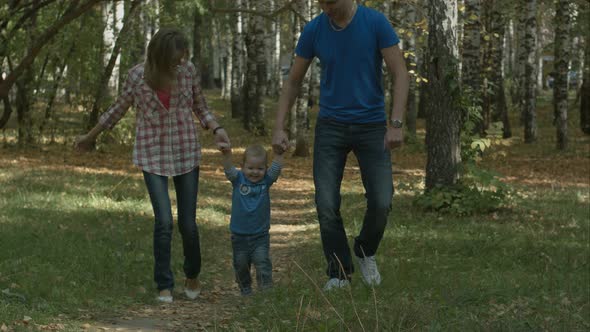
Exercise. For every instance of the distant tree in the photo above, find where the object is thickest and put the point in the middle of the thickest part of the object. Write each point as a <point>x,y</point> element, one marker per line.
<point>530,73</point>
<point>561,52</point>
<point>300,118</point>
<point>255,75</point>
<point>585,91</point>
<point>471,72</point>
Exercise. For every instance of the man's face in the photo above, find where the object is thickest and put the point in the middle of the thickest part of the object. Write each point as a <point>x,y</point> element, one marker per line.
<point>336,9</point>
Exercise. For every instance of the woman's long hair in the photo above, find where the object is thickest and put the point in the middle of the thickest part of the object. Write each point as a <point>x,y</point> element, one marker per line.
<point>165,51</point>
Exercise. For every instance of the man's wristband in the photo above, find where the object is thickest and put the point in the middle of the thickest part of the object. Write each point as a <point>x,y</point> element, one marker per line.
<point>216,129</point>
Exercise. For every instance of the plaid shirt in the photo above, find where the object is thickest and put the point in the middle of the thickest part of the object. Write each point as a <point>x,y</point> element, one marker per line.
<point>166,140</point>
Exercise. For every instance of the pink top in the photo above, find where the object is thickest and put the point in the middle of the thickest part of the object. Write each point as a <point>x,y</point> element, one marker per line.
<point>166,141</point>
<point>164,97</point>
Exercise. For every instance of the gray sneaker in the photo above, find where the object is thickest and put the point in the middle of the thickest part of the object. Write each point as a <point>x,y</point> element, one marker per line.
<point>369,271</point>
<point>336,283</point>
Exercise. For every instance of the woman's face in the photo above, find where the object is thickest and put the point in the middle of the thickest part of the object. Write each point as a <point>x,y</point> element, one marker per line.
<point>180,59</point>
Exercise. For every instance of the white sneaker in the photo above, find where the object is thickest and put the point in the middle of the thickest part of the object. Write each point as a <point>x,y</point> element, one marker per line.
<point>335,283</point>
<point>192,288</point>
<point>165,296</point>
<point>369,271</point>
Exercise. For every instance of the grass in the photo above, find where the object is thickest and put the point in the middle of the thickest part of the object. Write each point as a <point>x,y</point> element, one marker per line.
<point>75,245</point>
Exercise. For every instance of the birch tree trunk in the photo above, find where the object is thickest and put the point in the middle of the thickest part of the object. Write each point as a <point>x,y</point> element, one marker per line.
<point>227,62</point>
<point>562,55</point>
<point>410,52</point>
<point>444,117</point>
<point>237,107</point>
<point>302,102</point>
<point>254,86</point>
<point>530,73</point>
<point>518,88</point>
<point>274,40</point>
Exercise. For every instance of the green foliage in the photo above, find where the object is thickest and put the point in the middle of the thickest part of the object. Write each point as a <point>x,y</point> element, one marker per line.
<point>479,191</point>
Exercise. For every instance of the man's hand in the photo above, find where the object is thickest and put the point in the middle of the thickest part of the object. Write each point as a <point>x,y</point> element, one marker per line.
<point>280,141</point>
<point>394,138</point>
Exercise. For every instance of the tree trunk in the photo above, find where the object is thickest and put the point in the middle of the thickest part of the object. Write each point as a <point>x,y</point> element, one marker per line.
<point>24,92</point>
<point>237,107</point>
<point>7,111</point>
<point>498,104</point>
<point>302,102</point>
<point>53,91</point>
<point>443,123</point>
<point>103,85</point>
<point>530,79</point>
<point>255,75</point>
<point>274,41</point>
<point>227,63</point>
<point>471,65</point>
<point>135,52</point>
<point>562,50</point>
<point>487,97</point>
<point>518,87</point>
<point>410,52</point>
<point>585,91</point>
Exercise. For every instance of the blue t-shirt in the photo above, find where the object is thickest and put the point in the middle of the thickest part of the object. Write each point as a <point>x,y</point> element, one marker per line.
<point>250,209</point>
<point>351,87</point>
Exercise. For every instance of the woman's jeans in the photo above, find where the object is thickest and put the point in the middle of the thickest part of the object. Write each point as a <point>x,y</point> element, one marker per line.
<point>186,186</point>
<point>248,250</point>
<point>333,142</point>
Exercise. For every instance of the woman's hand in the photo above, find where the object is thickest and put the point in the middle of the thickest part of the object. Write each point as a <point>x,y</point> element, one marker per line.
<point>222,140</point>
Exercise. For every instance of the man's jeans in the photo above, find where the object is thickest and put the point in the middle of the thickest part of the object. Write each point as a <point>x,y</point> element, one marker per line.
<point>186,186</point>
<point>248,250</point>
<point>333,142</point>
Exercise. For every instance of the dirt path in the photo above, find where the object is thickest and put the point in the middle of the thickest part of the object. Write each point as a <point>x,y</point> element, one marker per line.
<point>293,214</point>
<point>213,310</point>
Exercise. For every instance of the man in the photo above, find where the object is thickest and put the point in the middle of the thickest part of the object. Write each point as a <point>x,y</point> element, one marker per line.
<point>351,42</point>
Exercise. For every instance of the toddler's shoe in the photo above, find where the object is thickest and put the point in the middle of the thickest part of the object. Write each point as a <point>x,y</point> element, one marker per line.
<point>247,291</point>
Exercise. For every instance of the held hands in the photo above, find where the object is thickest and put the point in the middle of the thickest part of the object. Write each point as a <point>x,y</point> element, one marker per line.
<point>222,140</point>
<point>280,141</point>
<point>224,148</point>
<point>394,138</point>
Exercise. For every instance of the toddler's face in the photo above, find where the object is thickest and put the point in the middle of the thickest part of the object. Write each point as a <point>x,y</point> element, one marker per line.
<point>254,168</point>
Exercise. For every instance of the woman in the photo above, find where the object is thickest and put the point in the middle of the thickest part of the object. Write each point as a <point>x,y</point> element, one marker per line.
<point>165,92</point>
